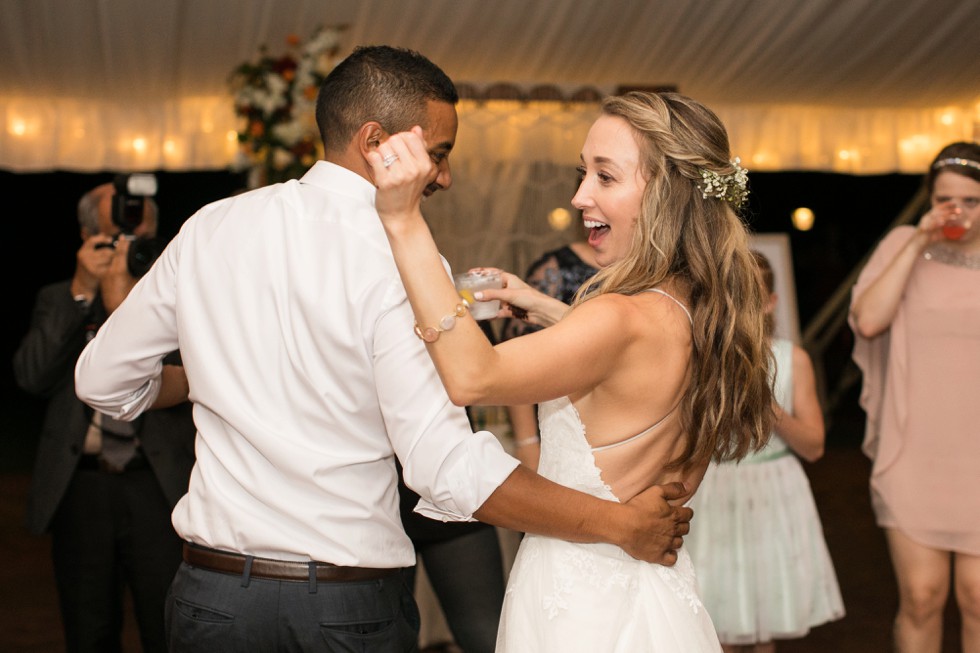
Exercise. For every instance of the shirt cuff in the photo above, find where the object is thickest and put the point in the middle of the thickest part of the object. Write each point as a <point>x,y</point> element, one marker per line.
<point>471,473</point>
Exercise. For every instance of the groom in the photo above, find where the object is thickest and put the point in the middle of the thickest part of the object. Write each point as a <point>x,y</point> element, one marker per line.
<point>307,381</point>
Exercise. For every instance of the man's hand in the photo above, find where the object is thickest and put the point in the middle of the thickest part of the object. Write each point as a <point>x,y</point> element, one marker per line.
<point>658,526</point>
<point>92,263</point>
<point>116,282</point>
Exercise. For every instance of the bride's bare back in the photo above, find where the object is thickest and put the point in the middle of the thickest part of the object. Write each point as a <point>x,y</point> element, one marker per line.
<point>632,420</point>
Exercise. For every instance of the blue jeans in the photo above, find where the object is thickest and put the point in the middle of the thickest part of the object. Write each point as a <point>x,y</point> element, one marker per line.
<point>213,612</point>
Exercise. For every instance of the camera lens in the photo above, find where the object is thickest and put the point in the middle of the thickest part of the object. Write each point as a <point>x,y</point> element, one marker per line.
<point>142,253</point>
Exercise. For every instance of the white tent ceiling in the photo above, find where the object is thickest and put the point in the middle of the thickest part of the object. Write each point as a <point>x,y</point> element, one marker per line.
<point>891,62</point>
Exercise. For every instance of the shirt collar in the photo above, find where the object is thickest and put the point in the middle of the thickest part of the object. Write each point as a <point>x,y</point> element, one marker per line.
<point>341,180</point>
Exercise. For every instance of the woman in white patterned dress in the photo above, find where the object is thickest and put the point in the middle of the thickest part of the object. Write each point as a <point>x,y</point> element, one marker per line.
<point>659,366</point>
<point>774,578</point>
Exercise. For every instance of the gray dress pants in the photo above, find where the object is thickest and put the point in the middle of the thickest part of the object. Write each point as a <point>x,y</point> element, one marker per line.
<point>214,612</point>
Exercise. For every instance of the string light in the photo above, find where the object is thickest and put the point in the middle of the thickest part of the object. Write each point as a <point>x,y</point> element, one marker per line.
<point>803,219</point>
<point>212,132</point>
<point>559,219</point>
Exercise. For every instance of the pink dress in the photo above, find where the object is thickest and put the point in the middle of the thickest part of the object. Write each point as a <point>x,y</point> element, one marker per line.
<point>921,393</point>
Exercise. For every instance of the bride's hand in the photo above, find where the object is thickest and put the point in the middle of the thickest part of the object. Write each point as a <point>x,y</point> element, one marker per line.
<point>521,301</point>
<point>402,168</point>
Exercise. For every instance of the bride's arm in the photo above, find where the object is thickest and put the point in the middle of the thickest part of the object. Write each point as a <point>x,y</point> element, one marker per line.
<point>441,316</point>
<point>573,356</point>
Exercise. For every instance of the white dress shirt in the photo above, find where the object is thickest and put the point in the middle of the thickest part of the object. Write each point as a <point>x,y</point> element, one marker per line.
<point>296,336</point>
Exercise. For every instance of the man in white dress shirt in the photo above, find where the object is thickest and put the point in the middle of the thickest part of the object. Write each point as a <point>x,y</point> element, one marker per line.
<point>307,380</point>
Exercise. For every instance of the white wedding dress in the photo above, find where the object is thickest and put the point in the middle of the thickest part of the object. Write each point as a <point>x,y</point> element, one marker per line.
<point>564,597</point>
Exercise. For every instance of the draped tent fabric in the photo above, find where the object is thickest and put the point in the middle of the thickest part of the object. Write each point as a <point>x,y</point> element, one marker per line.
<point>862,86</point>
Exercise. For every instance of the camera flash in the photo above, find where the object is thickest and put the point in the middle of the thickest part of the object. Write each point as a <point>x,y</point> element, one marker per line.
<point>142,185</point>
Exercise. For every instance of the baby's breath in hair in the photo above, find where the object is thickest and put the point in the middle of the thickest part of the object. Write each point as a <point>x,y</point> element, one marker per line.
<point>733,187</point>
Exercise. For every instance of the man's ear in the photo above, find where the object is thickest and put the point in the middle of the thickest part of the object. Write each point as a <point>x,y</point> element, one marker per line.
<point>369,137</point>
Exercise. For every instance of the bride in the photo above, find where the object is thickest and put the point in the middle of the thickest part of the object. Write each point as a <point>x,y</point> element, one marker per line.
<point>659,366</point>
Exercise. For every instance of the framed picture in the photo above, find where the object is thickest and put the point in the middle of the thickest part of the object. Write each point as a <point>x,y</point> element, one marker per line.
<point>776,248</point>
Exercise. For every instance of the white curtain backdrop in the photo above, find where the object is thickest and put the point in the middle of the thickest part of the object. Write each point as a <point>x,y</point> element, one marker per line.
<point>863,87</point>
<point>515,162</point>
<point>198,132</point>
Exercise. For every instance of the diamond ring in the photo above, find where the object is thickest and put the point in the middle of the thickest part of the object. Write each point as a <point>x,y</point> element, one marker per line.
<point>388,160</point>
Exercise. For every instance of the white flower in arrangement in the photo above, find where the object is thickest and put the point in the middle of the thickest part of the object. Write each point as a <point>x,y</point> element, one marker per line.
<point>304,75</point>
<point>323,41</point>
<point>276,96</point>
<point>290,132</point>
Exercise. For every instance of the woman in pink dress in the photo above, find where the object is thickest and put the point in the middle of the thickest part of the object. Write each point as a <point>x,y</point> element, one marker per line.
<point>915,312</point>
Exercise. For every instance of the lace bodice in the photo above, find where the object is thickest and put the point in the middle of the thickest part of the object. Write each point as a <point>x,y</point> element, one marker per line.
<point>566,457</point>
<point>586,597</point>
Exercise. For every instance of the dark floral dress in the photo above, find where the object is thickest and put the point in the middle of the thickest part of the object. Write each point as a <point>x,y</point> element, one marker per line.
<point>558,273</point>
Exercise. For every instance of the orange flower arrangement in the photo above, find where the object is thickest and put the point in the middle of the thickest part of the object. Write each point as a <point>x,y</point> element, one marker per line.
<point>275,98</point>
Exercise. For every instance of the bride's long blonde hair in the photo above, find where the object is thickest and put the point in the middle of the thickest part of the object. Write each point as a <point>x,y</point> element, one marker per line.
<point>700,241</point>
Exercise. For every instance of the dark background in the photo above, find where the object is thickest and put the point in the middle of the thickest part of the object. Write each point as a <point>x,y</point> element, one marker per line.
<point>40,244</point>
<point>42,238</point>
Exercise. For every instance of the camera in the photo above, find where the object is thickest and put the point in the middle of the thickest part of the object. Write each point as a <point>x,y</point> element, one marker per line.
<point>128,202</point>
<point>130,198</point>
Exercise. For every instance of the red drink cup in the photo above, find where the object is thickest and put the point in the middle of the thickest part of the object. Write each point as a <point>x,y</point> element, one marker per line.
<point>955,227</point>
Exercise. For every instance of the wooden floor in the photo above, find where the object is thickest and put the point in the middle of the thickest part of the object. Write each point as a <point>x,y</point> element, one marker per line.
<point>29,621</point>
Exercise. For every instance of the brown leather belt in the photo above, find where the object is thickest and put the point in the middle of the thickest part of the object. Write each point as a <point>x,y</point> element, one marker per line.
<point>234,563</point>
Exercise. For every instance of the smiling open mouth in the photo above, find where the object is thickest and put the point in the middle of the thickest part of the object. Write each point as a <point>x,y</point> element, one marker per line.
<point>595,226</point>
<point>597,231</point>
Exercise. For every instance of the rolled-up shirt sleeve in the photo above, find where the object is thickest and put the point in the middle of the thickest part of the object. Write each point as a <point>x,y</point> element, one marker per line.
<point>118,372</point>
<point>465,486</point>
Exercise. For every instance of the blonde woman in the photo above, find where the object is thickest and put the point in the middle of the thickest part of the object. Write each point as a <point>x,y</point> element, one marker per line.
<point>659,366</point>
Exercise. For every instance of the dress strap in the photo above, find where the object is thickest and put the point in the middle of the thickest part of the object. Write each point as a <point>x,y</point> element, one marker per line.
<point>676,301</point>
<point>638,435</point>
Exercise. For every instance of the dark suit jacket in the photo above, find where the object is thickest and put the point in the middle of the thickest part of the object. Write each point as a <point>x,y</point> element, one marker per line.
<point>44,364</point>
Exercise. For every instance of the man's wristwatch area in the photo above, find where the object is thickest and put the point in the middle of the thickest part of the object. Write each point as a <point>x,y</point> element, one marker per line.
<point>82,302</point>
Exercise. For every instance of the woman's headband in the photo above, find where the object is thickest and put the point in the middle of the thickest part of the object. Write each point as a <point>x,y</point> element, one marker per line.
<point>956,161</point>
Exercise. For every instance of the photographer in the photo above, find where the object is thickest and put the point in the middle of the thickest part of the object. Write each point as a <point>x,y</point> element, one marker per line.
<point>104,489</point>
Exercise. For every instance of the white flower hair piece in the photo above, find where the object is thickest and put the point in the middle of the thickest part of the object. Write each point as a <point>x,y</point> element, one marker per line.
<point>733,187</point>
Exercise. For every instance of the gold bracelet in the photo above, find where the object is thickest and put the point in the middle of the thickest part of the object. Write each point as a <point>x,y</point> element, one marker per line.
<point>431,334</point>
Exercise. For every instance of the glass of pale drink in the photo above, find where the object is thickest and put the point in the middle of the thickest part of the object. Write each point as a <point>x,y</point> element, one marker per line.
<point>470,282</point>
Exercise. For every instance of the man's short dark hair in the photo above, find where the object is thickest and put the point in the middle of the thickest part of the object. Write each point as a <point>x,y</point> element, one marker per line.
<point>386,84</point>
